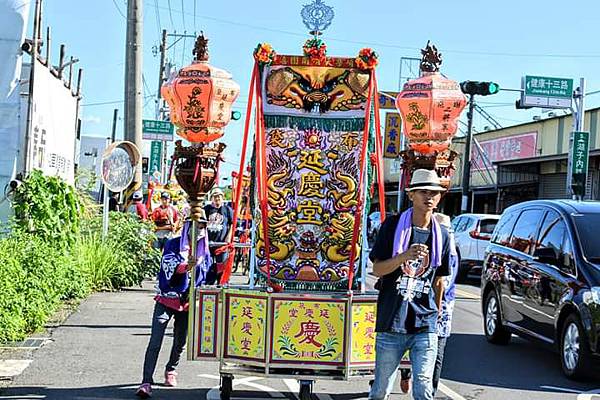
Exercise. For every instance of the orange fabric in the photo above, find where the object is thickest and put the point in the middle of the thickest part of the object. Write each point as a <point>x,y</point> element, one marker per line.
<point>236,205</point>
<point>359,207</point>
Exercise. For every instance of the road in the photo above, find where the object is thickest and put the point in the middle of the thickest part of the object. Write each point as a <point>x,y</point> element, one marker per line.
<point>97,354</point>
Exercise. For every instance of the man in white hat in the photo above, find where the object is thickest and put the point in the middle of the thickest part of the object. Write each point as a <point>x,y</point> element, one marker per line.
<point>220,220</point>
<point>411,256</point>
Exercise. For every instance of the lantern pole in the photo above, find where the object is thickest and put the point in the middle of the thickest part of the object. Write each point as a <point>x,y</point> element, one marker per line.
<point>466,168</point>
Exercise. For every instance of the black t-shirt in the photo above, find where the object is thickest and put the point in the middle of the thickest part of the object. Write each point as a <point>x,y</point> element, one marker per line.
<point>219,221</point>
<point>406,301</point>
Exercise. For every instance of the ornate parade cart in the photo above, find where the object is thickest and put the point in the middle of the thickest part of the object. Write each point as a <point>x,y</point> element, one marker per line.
<point>316,161</point>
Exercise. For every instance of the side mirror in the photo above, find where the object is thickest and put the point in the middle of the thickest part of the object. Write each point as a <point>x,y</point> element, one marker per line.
<point>545,255</point>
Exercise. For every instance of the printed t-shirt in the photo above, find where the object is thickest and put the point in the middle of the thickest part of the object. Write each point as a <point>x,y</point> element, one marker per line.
<point>406,301</point>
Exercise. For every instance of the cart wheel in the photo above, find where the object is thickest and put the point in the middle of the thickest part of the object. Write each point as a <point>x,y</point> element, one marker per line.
<point>226,386</point>
<point>305,390</point>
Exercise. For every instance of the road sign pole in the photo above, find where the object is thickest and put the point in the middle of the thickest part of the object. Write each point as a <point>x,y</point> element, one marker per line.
<point>466,167</point>
<point>578,126</point>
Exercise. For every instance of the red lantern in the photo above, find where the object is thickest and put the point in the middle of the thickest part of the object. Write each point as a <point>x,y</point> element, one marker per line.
<point>430,106</point>
<point>200,97</point>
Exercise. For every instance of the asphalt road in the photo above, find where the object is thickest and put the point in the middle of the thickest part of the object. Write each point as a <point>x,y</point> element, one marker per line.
<point>97,354</point>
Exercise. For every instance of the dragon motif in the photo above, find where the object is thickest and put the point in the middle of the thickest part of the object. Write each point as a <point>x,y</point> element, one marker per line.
<point>280,184</point>
<point>280,230</point>
<point>342,189</point>
<point>338,244</point>
<point>317,89</point>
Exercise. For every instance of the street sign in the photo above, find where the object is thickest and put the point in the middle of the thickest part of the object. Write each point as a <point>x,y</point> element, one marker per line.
<point>157,130</point>
<point>387,100</point>
<point>391,143</point>
<point>579,152</point>
<point>155,157</point>
<point>546,92</point>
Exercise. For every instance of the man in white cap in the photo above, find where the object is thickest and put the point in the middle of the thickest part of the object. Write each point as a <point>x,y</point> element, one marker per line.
<point>411,256</point>
<point>138,207</point>
<point>220,221</point>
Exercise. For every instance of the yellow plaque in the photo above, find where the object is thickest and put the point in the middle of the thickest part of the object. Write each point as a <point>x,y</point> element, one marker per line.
<point>308,331</point>
<point>245,326</point>
<point>208,325</point>
<point>363,333</point>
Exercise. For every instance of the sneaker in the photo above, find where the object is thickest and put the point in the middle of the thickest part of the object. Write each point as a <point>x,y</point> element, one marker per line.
<point>170,378</point>
<point>405,385</point>
<point>144,391</point>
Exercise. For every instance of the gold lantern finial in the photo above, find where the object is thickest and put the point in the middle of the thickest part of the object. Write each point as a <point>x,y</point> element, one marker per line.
<point>431,59</point>
<point>200,51</point>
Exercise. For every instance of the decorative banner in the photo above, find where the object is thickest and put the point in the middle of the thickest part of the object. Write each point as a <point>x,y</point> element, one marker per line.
<point>209,322</point>
<point>314,119</point>
<point>308,331</point>
<point>391,145</point>
<point>245,326</point>
<point>363,333</point>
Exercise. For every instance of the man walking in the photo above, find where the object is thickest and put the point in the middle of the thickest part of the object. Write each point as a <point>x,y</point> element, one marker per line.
<point>410,256</point>
<point>138,207</point>
<point>165,218</point>
<point>220,220</point>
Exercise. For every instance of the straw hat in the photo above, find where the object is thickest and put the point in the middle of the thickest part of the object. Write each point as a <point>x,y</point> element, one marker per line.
<point>425,179</point>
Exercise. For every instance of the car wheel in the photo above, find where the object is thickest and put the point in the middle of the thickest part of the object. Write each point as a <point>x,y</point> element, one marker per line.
<point>575,356</point>
<point>494,331</point>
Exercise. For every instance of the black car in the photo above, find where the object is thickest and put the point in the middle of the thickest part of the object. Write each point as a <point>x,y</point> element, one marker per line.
<point>541,279</point>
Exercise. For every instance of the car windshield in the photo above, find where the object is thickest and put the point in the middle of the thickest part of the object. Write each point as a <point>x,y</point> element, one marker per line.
<point>587,227</point>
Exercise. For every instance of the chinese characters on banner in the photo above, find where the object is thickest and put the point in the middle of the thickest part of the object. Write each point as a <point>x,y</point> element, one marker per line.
<point>363,333</point>
<point>246,319</point>
<point>313,148</point>
<point>308,331</point>
<point>502,149</point>
<point>391,145</point>
<point>208,325</point>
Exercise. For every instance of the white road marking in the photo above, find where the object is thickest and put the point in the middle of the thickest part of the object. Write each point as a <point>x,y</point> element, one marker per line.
<point>449,392</point>
<point>561,389</point>
<point>293,385</point>
<point>11,368</point>
<point>214,394</point>
<point>590,395</point>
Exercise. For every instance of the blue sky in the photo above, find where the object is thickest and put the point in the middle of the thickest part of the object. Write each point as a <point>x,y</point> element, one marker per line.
<point>480,40</point>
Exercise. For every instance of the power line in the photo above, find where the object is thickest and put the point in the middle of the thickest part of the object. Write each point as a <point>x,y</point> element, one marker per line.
<point>171,14</point>
<point>183,14</point>
<point>118,9</point>
<point>393,46</point>
<point>106,102</point>
<point>157,13</point>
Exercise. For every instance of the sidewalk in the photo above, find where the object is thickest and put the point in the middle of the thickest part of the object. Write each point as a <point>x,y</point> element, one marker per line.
<point>97,353</point>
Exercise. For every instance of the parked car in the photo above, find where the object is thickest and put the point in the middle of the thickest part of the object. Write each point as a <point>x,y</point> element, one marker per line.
<point>472,233</point>
<point>541,280</point>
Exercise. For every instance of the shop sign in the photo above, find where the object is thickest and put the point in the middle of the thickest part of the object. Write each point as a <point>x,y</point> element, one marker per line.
<point>387,100</point>
<point>503,149</point>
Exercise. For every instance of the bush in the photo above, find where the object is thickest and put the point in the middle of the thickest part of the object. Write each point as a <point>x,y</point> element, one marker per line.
<point>54,253</point>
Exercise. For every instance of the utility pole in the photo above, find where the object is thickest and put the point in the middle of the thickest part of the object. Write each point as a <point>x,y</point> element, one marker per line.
<point>159,113</point>
<point>133,82</point>
<point>466,167</point>
<point>34,55</point>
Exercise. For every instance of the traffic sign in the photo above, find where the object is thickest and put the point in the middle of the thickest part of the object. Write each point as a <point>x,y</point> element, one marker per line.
<point>579,152</point>
<point>387,100</point>
<point>546,92</point>
<point>155,157</point>
<point>157,130</point>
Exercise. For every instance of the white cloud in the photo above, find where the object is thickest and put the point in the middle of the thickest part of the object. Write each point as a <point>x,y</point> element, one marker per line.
<point>91,119</point>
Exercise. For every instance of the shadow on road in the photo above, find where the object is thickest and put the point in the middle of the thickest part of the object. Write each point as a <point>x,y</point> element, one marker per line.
<point>522,365</point>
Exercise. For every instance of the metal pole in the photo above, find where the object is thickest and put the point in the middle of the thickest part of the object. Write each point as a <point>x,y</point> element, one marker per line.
<point>34,54</point>
<point>133,81</point>
<point>105,205</point>
<point>192,257</point>
<point>466,168</point>
<point>161,71</point>
<point>113,135</point>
